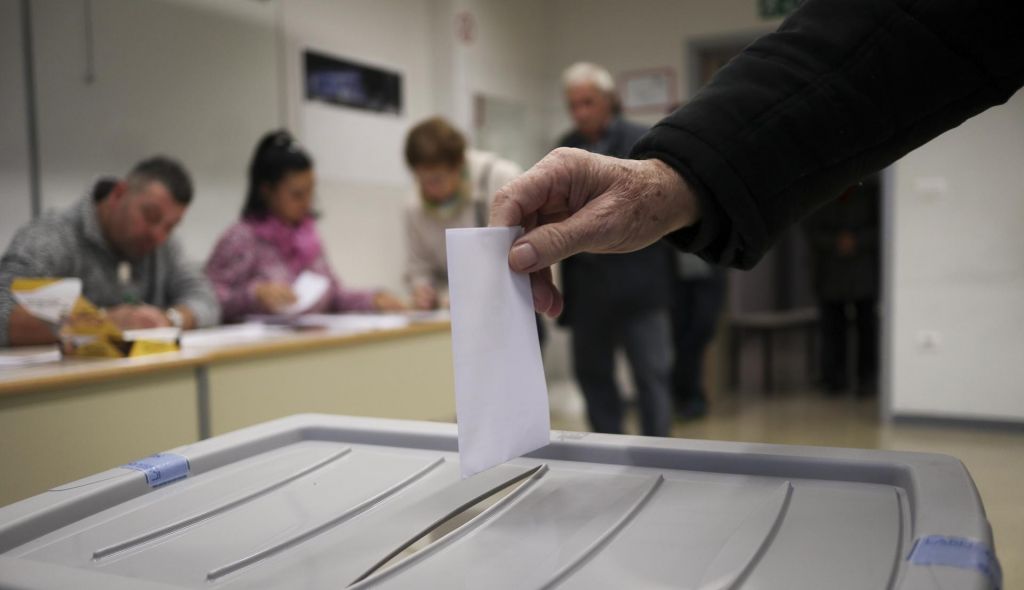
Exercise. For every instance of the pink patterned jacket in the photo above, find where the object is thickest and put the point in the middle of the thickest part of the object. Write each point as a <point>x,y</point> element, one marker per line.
<point>242,259</point>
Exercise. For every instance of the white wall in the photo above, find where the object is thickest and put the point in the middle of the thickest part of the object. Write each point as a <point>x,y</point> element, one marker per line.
<point>363,182</point>
<point>510,60</point>
<point>957,339</point>
<point>640,34</point>
<point>362,179</point>
<point>350,144</point>
<point>200,81</point>
<point>15,198</point>
<point>185,78</point>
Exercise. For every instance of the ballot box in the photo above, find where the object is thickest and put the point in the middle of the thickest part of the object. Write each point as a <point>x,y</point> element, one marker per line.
<point>316,501</point>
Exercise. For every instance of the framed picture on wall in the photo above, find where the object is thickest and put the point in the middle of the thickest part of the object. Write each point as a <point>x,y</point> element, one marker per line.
<point>346,83</point>
<point>648,91</point>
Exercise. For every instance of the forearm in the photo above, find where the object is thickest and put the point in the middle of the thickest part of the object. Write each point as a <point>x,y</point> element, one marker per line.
<point>37,250</point>
<point>24,329</point>
<point>843,89</point>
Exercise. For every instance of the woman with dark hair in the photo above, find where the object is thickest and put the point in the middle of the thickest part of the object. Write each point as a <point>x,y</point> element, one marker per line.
<point>257,259</point>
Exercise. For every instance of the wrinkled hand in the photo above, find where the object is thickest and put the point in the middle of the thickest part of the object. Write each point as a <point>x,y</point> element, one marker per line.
<point>136,317</point>
<point>384,301</point>
<point>424,297</point>
<point>273,297</point>
<point>574,201</point>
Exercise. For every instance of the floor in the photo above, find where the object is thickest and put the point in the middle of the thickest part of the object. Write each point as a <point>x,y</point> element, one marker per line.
<point>994,455</point>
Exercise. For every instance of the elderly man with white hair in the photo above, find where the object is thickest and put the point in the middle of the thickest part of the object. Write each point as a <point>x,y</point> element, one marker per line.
<point>614,300</point>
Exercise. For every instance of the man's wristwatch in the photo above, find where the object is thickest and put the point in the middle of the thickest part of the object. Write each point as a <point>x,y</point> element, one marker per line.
<point>176,318</point>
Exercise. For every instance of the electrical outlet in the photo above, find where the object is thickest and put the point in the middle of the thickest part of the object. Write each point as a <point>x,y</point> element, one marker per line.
<point>928,340</point>
<point>931,187</point>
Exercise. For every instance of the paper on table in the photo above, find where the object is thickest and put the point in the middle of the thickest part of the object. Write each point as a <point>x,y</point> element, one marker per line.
<point>309,287</point>
<point>339,323</point>
<point>30,355</point>
<point>228,336</point>
<point>353,323</point>
<point>168,334</point>
<point>501,398</point>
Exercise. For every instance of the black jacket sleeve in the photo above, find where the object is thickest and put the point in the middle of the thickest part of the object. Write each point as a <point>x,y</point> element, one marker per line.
<point>841,90</point>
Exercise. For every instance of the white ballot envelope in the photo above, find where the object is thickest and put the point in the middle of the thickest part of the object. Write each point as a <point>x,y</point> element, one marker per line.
<point>308,287</point>
<point>501,398</point>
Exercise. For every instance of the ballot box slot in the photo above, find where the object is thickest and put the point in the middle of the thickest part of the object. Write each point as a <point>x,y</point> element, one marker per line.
<point>459,524</point>
<point>535,540</point>
<point>459,520</point>
<point>217,510</point>
<point>310,533</point>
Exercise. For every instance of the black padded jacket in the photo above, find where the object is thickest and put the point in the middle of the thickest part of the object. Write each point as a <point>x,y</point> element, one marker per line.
<point>841,90</point>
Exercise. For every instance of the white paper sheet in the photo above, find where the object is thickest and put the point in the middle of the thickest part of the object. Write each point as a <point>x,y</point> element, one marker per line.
<point>168,334</point>
<point>501,398</point>
<point>342,323</point>
<point>427,317</point>
<point>29,355</point>
<point>309,287</point>
<point>51,302</point>
<point>353,323</point>
<point>228,336</point>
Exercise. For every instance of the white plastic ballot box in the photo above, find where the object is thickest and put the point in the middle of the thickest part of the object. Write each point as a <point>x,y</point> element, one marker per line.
<point>316,501</point>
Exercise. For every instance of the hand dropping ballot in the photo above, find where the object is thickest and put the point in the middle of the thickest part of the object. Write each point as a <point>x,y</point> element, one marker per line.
<point>501,398</point>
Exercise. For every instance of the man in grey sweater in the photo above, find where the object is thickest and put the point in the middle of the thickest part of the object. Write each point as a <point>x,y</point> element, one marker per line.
<point>117,240</point>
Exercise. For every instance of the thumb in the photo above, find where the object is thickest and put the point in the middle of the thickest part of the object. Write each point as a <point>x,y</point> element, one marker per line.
<point>550,243</point>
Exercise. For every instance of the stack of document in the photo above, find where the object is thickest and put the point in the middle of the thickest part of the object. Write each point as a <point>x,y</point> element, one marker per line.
<point>169,334</point>
<point>227,336</point>
<point>27,356</point>
<point>353,323</point>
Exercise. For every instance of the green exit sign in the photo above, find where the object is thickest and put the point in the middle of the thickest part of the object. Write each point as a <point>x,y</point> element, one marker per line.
<point>777,8</point>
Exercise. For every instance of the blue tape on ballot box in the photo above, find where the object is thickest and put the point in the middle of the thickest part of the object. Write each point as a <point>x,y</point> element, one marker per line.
<point>161,468</point>
<point>960,553</point>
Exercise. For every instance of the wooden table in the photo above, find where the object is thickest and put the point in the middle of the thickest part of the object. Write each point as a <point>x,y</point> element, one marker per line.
<point>404,373</point>
<point>66,420</point>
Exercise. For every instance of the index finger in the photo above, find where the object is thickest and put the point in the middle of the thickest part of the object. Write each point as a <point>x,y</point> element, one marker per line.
<point>506,210</point>
<point>526,194</point>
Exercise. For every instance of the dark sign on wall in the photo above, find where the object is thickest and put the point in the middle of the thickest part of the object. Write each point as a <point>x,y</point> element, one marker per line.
<point>776,8</point>
<point>343,82</point>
